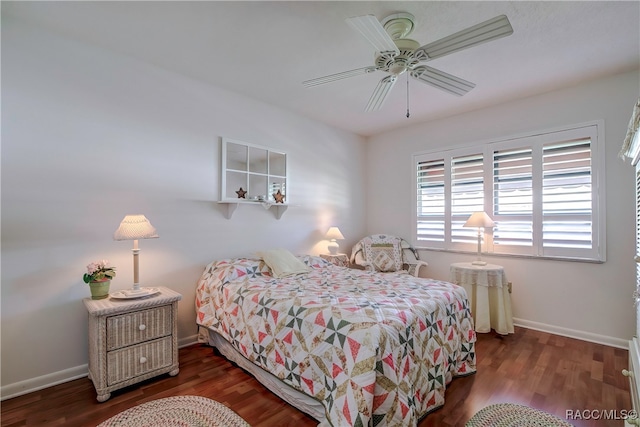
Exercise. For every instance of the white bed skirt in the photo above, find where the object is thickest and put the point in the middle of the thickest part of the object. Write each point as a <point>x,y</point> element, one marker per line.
<point>284,391</point>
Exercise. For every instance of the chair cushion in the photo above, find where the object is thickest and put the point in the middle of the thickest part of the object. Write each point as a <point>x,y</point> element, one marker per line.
<point>383,254</point>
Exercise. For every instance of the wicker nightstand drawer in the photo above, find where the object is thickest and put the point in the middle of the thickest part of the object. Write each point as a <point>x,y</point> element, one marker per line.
<point>131,362</point>
<point>132,340</point>
<point>139,326</point>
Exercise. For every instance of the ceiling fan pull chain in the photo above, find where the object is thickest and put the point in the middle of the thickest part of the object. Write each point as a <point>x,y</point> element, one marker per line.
<point>407,95</point>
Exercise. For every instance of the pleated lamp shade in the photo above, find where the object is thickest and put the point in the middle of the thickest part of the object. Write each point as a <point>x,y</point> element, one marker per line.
<point>134,227</point>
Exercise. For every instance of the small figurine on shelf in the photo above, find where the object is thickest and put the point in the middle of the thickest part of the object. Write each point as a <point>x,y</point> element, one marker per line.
<point>279,197</point>
<point>241,193</point>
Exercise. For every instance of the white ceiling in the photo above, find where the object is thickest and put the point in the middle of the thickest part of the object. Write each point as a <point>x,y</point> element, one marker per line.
<point>266,49</point>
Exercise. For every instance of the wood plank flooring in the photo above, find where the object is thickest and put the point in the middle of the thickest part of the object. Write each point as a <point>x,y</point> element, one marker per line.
<point>548,372</point>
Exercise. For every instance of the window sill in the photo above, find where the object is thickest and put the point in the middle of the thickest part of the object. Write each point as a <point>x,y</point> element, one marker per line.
<point>499,255</point>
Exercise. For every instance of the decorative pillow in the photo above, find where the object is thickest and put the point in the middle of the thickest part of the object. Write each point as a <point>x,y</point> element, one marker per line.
<point>283,263</point>
<point>383,256</point>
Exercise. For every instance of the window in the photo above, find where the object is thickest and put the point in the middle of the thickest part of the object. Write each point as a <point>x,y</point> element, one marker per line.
<point>544,192</point>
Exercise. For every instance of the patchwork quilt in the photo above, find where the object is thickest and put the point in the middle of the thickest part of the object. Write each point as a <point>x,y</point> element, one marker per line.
<point>374,348</point>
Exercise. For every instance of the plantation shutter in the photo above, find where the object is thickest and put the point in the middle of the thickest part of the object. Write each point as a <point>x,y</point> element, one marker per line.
<point>513,197</point>
<point>467,195</point>
<point>431,201</point>
<point>566,195</point>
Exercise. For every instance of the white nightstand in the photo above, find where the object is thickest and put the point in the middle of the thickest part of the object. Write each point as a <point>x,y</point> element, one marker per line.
<point>489,295</point>
<point>132,340</point>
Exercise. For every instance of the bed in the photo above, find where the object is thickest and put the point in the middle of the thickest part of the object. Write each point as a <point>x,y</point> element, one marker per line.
<point>349,347</point>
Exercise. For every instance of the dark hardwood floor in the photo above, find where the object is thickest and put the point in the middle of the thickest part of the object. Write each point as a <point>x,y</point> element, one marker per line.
<point>544,371</point>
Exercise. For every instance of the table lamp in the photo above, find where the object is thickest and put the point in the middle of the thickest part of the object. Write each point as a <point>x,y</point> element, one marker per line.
<point>134,227</point>
<point>480,220</point>
<point>334,234</point>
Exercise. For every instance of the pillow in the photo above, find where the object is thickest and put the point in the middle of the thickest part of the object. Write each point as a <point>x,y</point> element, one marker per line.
<point>283,263</point>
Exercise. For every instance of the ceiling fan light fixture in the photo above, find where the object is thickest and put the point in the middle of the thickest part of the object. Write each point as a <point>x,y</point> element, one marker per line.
<point>398,67</point>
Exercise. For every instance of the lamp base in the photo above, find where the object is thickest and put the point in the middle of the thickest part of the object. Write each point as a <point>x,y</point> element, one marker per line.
<point>479,263</point>
<point>140,292</point>
<point>333,248</point>
<point>136,290</point>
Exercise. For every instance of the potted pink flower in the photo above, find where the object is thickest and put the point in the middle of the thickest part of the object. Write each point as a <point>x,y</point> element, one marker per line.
<point>98,276</point>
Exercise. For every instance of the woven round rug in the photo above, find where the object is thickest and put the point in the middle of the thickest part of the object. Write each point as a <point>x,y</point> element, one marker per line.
<point>178,411</point>
<point>512,415</point>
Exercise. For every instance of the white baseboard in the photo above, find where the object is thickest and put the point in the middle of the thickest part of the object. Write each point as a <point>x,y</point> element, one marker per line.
<point>44,381</point>
<point>49,380</point>
<point>183,342</point>
<point>572,333</point>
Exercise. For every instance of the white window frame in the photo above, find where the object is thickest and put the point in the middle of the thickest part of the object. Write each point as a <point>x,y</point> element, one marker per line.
<point>592,130</point>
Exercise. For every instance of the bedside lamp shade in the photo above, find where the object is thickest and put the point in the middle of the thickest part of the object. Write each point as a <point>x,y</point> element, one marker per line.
<point>480,220</point>
<point>334,234</point>
<point>135,227</point>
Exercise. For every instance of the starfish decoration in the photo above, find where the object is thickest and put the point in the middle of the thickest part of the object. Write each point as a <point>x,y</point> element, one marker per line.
<point>279,197</point>
<point>241,193</point>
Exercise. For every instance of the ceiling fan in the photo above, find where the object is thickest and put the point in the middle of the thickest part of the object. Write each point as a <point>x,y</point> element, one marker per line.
<point>396,54</point>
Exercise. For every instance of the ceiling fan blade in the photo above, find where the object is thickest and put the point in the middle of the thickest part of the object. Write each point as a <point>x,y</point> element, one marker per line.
<point>374,32</point>
<point>380,93</point>
<point>442,80</point>
<point>338,76</point>
<point>486,31</point>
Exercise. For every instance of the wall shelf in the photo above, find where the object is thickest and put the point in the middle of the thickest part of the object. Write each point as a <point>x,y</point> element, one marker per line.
<point>252,172</point>
<point>231,206</point>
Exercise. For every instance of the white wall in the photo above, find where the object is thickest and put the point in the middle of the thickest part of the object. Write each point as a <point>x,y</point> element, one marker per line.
<point>89,136</point>
<point>591,301</point>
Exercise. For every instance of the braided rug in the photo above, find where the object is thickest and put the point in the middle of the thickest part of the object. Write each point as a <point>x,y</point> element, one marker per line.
<point>178,411</point>
<point>512,415</point>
